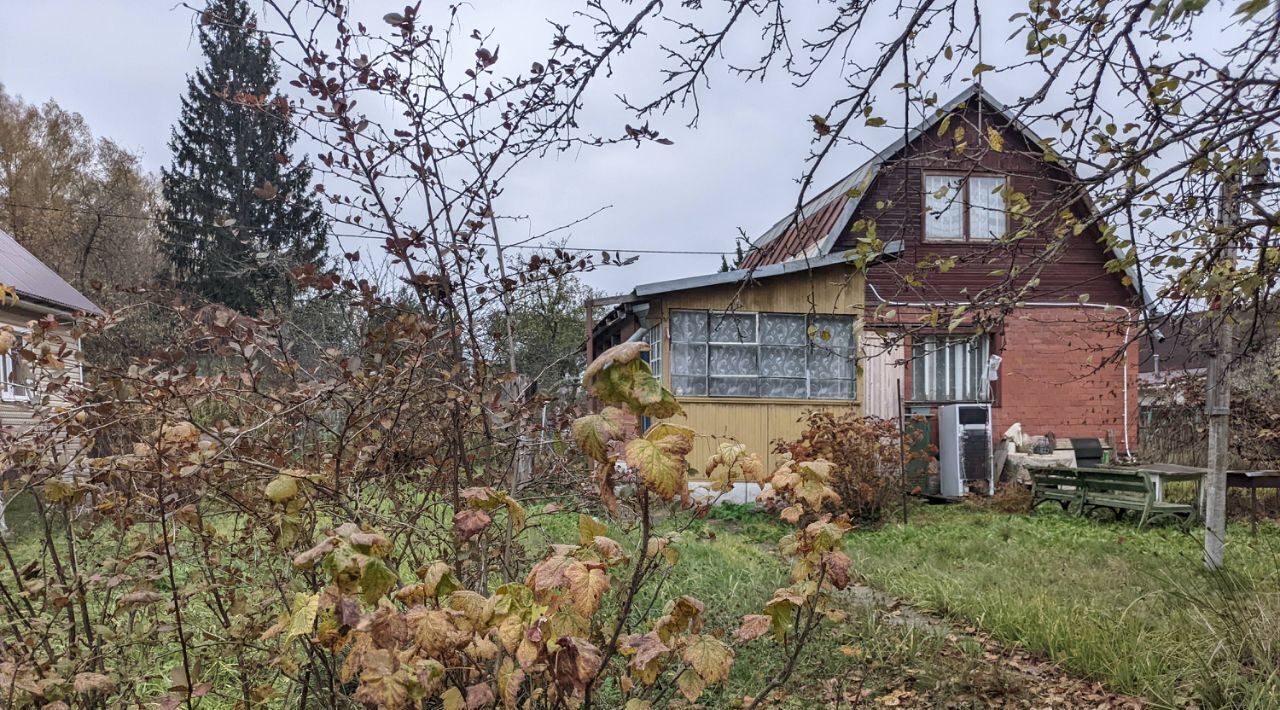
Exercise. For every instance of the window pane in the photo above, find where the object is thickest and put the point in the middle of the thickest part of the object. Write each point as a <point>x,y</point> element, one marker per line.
<point>949,369</point>
<point>831,389</point>
<point>921,364</point>
<point>654,338</point>
<point>782,361</point>
<point>688,359</point>
<point>688,326</point>
<point>782,329</point>
<point>735,386</point>
<point>788,388</point>
<point>688,386</point>
<point>734,360</point>
<point>833,331</point>
<point>986,207</point>
<point>828,363</point>
<point>733,328</point>
<point>944,207</point>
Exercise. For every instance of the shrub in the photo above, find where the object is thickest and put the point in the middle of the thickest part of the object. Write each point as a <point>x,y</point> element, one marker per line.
<point>866,455</point>
<point>1011,498</point>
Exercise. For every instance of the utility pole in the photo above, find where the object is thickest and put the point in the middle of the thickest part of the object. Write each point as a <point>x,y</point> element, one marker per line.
<point>1218,394</point>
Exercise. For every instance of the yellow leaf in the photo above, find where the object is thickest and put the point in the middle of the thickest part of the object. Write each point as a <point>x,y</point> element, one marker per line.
<point>304,615</point>
<point>586,586</point>
<point>282,488</point>
<point>453,700</point>
<point>589,528</point>
<point>659,457</point>
<point>710,657</point>
<point>994,139</point>
<point>691,685</point>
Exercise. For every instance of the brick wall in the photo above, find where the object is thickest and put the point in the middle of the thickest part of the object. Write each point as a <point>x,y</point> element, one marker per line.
<point>1062,372</point>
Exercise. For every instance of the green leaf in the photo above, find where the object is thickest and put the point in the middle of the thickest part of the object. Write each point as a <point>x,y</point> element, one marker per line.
<point>594,432</point>
<point>659,457</point>
<point>376,579</point>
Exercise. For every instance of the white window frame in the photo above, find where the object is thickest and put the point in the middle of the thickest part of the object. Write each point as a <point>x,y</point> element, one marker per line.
<point>711,320</point>
<point>963,200</point>
<point>10,389</point>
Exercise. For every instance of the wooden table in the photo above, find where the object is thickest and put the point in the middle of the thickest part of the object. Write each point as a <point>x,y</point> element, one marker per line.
<point>1236,478</point>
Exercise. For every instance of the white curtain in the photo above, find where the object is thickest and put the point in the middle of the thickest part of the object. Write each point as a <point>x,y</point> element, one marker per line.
<point>949,369</point>
<point>944,202</point>
<point>986,208</point>
<point>776,355</point>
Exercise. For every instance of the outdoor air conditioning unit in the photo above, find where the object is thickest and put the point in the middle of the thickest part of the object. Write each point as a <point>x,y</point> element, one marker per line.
<point>964,450</point>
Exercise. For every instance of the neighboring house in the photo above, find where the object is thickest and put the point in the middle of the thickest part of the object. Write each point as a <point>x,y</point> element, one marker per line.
<point>41,294</point>
<point>799,327</point>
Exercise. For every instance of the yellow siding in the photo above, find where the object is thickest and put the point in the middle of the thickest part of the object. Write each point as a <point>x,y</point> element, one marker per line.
<point>759,423</point>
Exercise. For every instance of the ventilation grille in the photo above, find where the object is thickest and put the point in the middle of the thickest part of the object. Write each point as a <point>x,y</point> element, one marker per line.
<point>975,455</point>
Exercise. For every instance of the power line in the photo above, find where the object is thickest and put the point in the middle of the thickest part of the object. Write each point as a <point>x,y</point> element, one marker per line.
<point>352,235</point>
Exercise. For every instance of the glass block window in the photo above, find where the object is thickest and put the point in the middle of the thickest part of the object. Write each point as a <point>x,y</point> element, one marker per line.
<point>950,368</point>
<point>770,355</point>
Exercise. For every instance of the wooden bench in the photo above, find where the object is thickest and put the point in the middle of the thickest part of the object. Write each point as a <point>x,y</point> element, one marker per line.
<point>1060,485</point>
<point>1117,490</point>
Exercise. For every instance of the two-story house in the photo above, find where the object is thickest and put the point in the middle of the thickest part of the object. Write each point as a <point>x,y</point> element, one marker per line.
<point>801,326</point>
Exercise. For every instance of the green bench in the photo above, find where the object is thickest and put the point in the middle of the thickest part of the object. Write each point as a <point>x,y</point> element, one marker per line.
<point>1117,490</point>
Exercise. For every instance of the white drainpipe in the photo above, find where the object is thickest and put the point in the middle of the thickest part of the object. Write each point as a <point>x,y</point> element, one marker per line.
<point>1034,304</point>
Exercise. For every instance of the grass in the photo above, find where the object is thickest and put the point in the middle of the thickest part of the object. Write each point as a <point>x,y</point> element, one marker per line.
<point>728,563</point>
<point>1133,609</point>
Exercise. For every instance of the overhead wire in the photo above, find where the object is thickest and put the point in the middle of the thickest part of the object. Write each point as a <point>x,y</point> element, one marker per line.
<point>352,235</point>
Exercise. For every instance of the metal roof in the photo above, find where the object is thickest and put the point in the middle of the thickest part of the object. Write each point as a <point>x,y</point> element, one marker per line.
<point>22,271</point>
<point>740,275</point>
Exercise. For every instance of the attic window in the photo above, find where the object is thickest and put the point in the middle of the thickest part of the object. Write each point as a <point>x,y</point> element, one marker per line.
<point>959,207</point>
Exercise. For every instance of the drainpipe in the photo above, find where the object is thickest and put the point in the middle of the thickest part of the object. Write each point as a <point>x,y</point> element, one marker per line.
<point>1048,304</point>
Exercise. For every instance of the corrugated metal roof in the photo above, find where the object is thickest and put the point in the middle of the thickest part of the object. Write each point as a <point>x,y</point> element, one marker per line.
<point>29,276</point>
<point>747,274</point>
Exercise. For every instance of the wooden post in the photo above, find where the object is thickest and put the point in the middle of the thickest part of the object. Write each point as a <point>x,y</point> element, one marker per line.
<point>1218,401</point>
<point>902,450</point>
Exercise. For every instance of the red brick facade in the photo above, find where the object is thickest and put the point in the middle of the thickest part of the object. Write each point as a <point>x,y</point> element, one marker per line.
<point>1062,373</point>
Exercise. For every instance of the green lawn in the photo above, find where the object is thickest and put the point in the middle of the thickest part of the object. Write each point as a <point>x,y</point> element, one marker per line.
<point>1133,609</point>
<point>870,659</point>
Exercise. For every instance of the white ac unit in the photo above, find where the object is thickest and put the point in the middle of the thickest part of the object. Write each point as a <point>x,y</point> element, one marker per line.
<point>964,450</point>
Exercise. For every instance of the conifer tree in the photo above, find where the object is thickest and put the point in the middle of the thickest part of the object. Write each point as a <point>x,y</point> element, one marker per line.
<point>238,212</point>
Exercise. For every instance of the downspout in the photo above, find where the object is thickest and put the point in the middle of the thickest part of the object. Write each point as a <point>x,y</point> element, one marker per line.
<point>1045,304</point>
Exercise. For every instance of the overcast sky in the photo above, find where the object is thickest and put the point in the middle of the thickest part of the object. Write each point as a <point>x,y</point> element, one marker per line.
<point>123,64</point>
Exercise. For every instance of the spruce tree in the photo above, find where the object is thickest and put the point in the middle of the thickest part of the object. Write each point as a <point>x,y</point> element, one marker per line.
<point>238,214</point>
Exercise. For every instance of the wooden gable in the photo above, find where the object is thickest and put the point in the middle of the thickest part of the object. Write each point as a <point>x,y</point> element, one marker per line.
<point>895,201</point>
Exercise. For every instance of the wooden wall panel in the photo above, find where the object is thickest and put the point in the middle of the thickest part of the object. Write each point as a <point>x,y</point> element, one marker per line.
<point>895,202</point>
<point>882,368</point>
